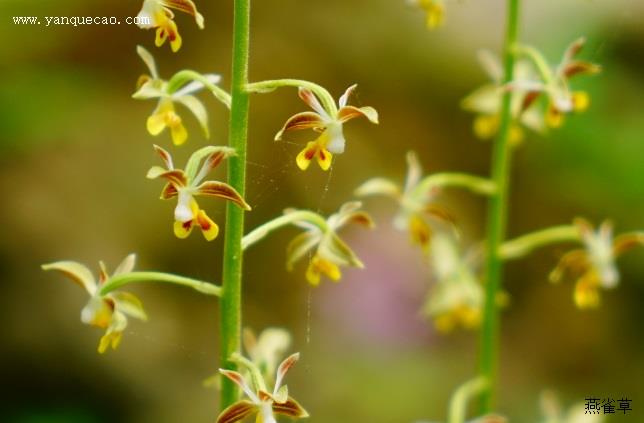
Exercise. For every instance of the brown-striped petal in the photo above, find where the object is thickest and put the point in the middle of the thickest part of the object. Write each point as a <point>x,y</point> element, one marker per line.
<point>350,112</point>
<point>176,176</point>
<point>165,156</point>
<point>169,191</point>
<point>578,67</point>
<point>299,246</point>
<point>186,6</point>
<point>290,408</point>
<point>627,242</point>
<point>237,412</point>
<point>222,190</point>
<point>311,100</point>
<point>344,99</point>
<point>304,120</point>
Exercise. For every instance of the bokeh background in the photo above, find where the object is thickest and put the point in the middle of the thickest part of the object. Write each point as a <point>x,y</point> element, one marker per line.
<point>74,152</point>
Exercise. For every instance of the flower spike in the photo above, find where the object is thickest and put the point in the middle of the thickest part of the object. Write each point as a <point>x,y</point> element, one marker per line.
<point>108,311</point>
<point>185,185</point>
<point>165,116</point>
<point>158,14</point>
<point>328,121</point>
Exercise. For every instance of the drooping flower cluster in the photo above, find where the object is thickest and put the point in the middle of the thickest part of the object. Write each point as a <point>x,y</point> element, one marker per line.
<point>158,14</point>
<point>104,311</point>
<point>164,115</point>
<point>594,265</point>
<point>186,185</point>
<point>328,120</point>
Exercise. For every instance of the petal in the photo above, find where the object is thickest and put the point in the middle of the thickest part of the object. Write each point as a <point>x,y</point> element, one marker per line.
<point>221,190</point>
<point>419,231</point>
<point>239,380</point>
<point>414,171</point>
<point>586,293</point>
<point>187,207</point>
<point>182,229</point>
<point>186,6</point>
<point>179,133</point>
<point>148,88</point>
<point>554,118</point>
<point>344,99</point>
<point>486,126</point>
<point>169,191</point>
<point>127,265</point>
<point>283,368</point>
<point>237,412</point>
<point>198,110</point>
<point>130,305</point>
<point>98,312</point>
<point>333,249</point>
<point>161,36</point>
<point>575,261</point>
<point>195,86</point>
<point>579,67</point>
<point>304,120</point>
<point>156,123</point>
<point>76,272</point>
<point>312,101</point>
<point>324,158</point>
<point>109,339</point>
<point>148,59</point>
<point>305,156</point>
<point>491,65</point>
<point>209,229</point>
<point>573,49</point>
<point>165,156</point>
<point>484,100</point>
<point>350,112</point>
<point>299,247</point>
<point>626,242</point>
<point>320,266</point>
<point>211,156</point>
<point>580,101</point>
<point>176,177</point>
<point>290,408</point>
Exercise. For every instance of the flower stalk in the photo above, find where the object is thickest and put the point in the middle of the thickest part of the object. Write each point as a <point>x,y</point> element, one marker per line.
<point>267,86</point>
<point>497,217</point>
<point>458,402</point>
<point>120,280</point>
<point>230,309</point>
<point>262,231</point>
<point>525,244</point>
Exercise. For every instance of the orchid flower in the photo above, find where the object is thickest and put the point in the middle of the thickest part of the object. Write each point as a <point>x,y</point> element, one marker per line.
<point>555,83</point>
<point>594,265</point>
<point>164,116</point>
<point>265,351</point>
<point>417,198</point>
<point>435,10</point>
<point>485,102</point>
<point>457,298</point>
<point>262,403</point>
<point>185,185</point>
<point>108,311</point>
<point>328,120</point>
<point>158,14</point>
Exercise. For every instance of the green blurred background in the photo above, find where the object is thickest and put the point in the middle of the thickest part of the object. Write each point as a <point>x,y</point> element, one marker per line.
<point>74,152</point>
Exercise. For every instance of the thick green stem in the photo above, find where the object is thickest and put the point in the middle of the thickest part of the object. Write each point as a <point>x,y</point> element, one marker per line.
<point>497,216</point>
<point>525,244</point>
<point>123,279</point>
<point>230,319</point>
<point>267,86</point>
<point>260,232</point>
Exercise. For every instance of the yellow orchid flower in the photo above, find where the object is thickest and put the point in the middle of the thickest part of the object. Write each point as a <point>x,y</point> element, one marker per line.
<point>262,403</point>
<point>435,10</point>
<point>485,102</point>
<point>328,122</point>
<point>165,116</point>
<point>594,265</point>
<point>158,14</point>
<point>108,311</point>
<point>185,185</point>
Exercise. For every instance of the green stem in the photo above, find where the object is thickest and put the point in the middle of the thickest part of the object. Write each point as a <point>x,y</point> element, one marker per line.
<point>181,77</point>
<point>497,216</point>
<point>458,403</point>
<point>475,184</point>
<point>123,279</point>
<point>260,232</point>
<point>267,86</point>
<point>538,60</point>
<point>230,310</point>
<point>525,244</point>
